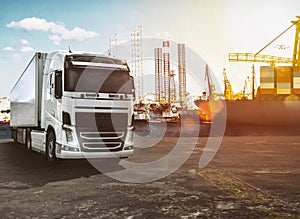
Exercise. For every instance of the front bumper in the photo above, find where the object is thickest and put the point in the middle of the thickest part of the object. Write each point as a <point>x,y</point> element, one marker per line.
<point>66,150</point>
<point>89,155</point>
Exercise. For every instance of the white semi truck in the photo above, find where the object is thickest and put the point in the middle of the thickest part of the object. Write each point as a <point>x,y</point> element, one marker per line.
<point>74,105</point>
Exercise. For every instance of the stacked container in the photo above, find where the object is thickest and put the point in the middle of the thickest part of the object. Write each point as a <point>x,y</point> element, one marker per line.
<point>296,80</point>
<point>283,80</point>
<point>267,81</point>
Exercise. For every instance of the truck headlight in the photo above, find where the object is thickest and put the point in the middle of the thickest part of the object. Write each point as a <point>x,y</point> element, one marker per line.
<point>70,136</point>
<point>68,148</point>
<point>71,141</point>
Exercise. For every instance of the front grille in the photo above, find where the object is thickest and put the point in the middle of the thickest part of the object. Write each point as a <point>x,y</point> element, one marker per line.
<point>101,135</point>
<point>102,146</point>
<point>101,132</point>
<point>103,122</point>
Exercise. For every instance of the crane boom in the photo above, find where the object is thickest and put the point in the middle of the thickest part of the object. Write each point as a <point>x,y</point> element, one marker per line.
<point>275,38</point>
<point>276,82</point>
<point>257,57</point>
<point>251,57</point>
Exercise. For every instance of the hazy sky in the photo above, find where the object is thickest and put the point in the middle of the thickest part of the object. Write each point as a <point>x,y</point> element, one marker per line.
<point>211,28</point>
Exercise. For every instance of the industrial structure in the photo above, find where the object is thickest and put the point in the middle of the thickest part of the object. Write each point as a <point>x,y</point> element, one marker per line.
<point>166,71</point>
<point>158,73</point>
<point>228,93</point>
<point>172,85</point>
<point>113,43</point>
<point>137,60</point>
<point>182,73</point>
<point>277,99</point>
<point>162,72</point>
<point>276,82</point>
<point>165,89</point>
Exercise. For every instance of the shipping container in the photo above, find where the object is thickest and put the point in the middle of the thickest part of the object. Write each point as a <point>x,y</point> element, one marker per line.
<point>283,79</point>
<point>296,77</point>
<point>267,77</point>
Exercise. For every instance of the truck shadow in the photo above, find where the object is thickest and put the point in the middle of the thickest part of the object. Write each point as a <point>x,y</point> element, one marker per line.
<point>31,168</point>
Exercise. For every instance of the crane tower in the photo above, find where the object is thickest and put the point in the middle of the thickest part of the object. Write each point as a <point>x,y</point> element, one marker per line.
<point>137,60</point>
<point>182,72</point>
<point>166,70</point>
<point>158,73</point>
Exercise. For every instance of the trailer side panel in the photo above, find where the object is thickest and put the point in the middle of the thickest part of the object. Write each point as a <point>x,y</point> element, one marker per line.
<point>25,97</point>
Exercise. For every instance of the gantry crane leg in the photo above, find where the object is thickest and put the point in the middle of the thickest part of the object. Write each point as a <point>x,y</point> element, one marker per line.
<point>296,54</point>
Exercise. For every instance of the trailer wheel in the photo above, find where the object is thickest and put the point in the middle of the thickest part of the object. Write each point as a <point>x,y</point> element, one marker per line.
<point>50,147</point>
<point>28,140</point>
<point>14,134</point>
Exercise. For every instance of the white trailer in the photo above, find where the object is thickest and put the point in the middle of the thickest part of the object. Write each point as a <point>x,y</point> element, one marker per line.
<point>74,105</point>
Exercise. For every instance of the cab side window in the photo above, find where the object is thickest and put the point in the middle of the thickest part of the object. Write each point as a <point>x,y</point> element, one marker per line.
<point>51,84</point>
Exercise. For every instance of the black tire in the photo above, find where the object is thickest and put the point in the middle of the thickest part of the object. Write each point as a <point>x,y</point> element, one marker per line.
<point>28,140</point>
<point>50,147</point>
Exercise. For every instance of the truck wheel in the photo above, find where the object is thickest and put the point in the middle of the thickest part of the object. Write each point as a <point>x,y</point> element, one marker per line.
<point>50,148</point>
<point>28,140</point>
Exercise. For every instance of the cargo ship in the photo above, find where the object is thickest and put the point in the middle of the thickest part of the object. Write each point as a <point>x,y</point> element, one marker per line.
<point>277,101</point>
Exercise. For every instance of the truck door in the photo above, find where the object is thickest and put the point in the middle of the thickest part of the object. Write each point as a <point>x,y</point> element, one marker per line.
<point>50,95</point>
<point>54,93</point>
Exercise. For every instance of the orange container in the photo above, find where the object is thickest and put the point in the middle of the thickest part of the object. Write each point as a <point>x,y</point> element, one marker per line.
<point>283,74</point>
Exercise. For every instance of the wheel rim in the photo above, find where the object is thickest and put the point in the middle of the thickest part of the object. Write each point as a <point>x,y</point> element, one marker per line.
<point>28,139</point>
<point>50,149</point>
<point>28,144</point>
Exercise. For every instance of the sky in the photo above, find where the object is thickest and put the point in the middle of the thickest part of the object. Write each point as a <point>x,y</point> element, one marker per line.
<point>210,28</point>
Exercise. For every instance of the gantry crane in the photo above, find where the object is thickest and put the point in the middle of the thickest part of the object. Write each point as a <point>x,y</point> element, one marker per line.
<point>272,60</point>
<point>296,54</point>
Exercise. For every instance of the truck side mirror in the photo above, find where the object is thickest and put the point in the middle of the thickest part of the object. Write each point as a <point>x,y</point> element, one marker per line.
<point>58,84</point>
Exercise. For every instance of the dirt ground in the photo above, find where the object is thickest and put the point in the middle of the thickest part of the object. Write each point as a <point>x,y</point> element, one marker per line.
<point>249,177</point>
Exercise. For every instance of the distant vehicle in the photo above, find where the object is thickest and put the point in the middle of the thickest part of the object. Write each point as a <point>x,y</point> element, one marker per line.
<point>4,111</point>
<point>74,105</point>
<point>4,120</point>
<point>141,112</point>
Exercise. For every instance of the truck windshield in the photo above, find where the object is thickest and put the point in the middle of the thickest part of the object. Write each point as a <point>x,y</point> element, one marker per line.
<point>99,80</point>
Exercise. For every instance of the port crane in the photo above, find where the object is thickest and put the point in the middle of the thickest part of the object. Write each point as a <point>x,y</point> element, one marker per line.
<point>228,93</point>
<point>287,76</point>
<point>245,87</point>
<point>258,57</point>
<point>211,87</point>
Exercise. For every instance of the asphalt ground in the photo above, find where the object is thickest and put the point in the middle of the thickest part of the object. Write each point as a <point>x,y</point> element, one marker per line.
<point>251,176</point>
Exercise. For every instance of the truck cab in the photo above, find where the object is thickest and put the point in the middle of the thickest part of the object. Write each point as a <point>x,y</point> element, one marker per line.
<point>83,105</point>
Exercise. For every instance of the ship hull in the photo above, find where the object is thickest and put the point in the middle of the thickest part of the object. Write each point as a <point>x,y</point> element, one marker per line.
<point>254,112</point>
